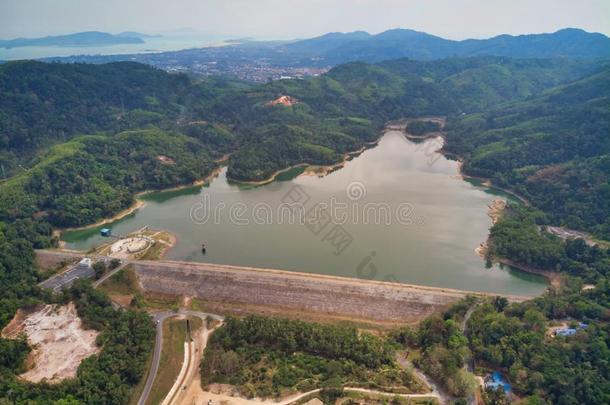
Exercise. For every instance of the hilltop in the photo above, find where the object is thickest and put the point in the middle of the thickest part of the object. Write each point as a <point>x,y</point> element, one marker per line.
<point>87,38</point>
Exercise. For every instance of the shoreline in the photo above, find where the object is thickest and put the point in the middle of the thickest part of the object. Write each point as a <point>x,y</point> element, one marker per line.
<point>265,290</point>
<point>495,210</point>
<point>555,279</point>
<point>401,125</point>
<point>173,239</point>
<point>268,180</point>
<point>137,204</point>
<point>201,182</point>
<point>489,184</point>
<point>324,169</point>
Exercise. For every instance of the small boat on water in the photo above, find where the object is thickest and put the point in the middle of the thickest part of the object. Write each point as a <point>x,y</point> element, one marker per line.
<point>203,248</point>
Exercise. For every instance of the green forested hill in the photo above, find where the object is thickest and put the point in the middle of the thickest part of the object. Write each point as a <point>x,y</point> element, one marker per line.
<point>42,104</point>
<point>93,177</point>
<point>45,104</point>
<point>348,105</point>
<point>89,137</point>
<point>549,135</point>
<point>555,133</point>
<point>553,148</point>
<point>338,48</point>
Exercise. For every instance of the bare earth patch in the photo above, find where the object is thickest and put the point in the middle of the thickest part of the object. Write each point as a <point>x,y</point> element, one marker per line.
<point>58,339</point>
<point>166,160</point>
<point>495,210</point>
<point>286,101</point>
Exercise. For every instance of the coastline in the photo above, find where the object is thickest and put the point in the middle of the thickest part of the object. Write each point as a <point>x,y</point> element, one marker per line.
<point>173,239</point>
<point>495,211</point>
<point>201,182</point>
<point>324,170</point>
<point>488,183</point>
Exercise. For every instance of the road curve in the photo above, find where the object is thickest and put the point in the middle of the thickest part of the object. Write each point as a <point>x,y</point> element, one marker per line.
<point>162,316</point>
<point>437,392</point>
<point>159,318</point>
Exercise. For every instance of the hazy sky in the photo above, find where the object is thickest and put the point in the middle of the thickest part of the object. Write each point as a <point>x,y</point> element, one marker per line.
<point>456,19</point>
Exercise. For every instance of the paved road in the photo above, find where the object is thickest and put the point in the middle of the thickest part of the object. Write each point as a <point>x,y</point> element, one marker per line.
<point>159,318</point>
<point>68,277</point>
<point>109,274</point>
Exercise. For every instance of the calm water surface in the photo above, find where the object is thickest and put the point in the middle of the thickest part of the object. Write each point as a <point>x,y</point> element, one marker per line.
<point>424,222</point>
<point>151,44</point>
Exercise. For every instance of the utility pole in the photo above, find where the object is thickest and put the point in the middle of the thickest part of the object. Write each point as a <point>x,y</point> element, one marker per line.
<point>188,331</point>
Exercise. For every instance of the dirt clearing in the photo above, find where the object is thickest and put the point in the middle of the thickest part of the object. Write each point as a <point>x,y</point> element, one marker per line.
<point>58,340</point>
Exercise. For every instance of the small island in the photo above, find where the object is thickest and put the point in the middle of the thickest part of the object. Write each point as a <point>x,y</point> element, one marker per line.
<point>77,39</point>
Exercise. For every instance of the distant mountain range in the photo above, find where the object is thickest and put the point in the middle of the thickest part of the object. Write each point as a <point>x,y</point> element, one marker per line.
<point>264,60</point>
<point>77,39</point>
<point>337,48</point>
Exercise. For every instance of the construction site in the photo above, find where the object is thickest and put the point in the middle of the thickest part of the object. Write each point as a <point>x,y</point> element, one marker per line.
<point>58,339</point>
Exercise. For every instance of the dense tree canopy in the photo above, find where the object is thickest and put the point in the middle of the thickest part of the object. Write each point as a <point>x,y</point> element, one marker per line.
<point>554,149</point>
<point>78,141</point>
<point>267,356</point>
<point>126,339</point>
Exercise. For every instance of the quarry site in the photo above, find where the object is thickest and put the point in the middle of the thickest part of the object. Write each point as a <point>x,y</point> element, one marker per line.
<point>58,339</point>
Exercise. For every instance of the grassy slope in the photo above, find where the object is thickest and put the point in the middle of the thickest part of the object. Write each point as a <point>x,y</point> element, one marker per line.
<point>172,356</point>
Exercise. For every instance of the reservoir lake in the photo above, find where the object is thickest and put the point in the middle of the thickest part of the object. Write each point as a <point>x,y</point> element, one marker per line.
<point>398,212</point>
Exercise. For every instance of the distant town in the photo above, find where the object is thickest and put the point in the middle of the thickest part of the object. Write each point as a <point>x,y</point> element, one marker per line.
<point>257,63</point>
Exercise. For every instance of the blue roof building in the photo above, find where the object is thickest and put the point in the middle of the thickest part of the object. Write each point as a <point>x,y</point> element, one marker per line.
<point>565,332</point>
<point>106,232</point>
<point>496,381</point>
<point>570,331</point>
